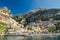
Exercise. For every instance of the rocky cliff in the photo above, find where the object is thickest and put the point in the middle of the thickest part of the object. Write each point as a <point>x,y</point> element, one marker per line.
<point>6,21</point>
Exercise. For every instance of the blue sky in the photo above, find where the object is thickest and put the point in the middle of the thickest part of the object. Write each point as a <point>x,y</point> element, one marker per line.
<point>22,6</point>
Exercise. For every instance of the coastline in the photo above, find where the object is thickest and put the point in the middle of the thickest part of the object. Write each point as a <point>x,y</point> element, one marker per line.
<point>34,34</point>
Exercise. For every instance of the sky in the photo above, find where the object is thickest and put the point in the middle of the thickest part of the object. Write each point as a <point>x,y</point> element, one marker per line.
<point>22,6</point>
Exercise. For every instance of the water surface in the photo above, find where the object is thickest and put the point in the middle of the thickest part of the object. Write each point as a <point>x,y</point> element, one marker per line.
<point>34,37</point>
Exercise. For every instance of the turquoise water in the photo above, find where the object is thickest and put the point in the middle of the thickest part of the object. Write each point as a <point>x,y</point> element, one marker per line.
<point>35,37</point>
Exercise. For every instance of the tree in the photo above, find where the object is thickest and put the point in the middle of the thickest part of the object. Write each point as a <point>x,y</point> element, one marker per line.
<point>2,28</point>
<point>57,26</point>
<point>29,27</point>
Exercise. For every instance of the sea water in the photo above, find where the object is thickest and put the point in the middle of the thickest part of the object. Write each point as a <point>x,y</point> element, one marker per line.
<point>33,37</point>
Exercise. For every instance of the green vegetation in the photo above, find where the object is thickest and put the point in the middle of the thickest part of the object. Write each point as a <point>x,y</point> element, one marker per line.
<point>58,26</point>
<point>2,26</point>
<point>29,27</point>
<point>52,31</point>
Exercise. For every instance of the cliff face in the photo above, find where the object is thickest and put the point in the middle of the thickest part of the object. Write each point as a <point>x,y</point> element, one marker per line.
<point>6,22</point>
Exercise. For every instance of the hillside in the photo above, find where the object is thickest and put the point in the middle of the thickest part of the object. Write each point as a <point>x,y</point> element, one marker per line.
<point>36,15</point>
<point>35,21</point>
<point>45,19</point>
